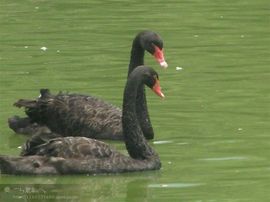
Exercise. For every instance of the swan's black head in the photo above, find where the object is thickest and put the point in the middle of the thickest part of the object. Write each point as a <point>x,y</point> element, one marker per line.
<point>150,78</point>
<point>152,43</point>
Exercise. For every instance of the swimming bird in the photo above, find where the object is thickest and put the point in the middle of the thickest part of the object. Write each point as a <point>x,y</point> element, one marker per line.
<point>88,116</point>
<point>81,155</point>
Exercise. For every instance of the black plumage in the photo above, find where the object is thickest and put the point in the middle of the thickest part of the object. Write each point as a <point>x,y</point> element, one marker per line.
<point>81,155</point>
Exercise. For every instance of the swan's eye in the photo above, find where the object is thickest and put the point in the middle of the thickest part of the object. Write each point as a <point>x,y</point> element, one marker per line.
<point>150,80</point>
<point>150,47</point>
<point>153,80</point>
<point>158,44</point>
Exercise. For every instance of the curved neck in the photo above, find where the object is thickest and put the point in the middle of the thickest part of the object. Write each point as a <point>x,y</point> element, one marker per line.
<point>137,59</point>
<point>136,144</point>
<point>136,55</point>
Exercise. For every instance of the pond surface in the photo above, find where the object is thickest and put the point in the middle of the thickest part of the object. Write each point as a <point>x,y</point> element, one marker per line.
<point>213,128</point>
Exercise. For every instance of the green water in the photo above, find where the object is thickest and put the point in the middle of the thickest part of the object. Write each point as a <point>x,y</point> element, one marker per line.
<point>212,130</point>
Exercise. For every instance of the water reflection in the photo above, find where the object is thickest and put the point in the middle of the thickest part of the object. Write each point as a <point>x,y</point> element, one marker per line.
<point>73,188</point>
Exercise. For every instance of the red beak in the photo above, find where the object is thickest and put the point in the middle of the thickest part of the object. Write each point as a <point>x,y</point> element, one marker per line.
<point>157,89</point>
<point>159,56</point>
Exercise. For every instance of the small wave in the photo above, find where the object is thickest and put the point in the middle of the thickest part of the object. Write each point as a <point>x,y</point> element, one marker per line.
<point>174,185</point>
<point>225,158</point>
<point>163,142</point>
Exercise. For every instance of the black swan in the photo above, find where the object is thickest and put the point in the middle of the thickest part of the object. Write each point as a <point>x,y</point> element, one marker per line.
<point>81,155</point>
<point>87,116</point>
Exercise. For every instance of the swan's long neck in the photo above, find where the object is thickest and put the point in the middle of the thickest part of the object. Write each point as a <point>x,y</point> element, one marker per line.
<point>136,144</point>
<point>137,59</point>
<point>136,55</point>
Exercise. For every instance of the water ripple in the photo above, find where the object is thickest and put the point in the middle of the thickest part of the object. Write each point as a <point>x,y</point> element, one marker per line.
<point>225,158</point>
<point>175,185</point>
<point>163,142</point>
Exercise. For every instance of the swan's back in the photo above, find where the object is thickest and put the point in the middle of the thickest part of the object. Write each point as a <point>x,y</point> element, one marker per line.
<point>68,147</point>
<point>76,114</point>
